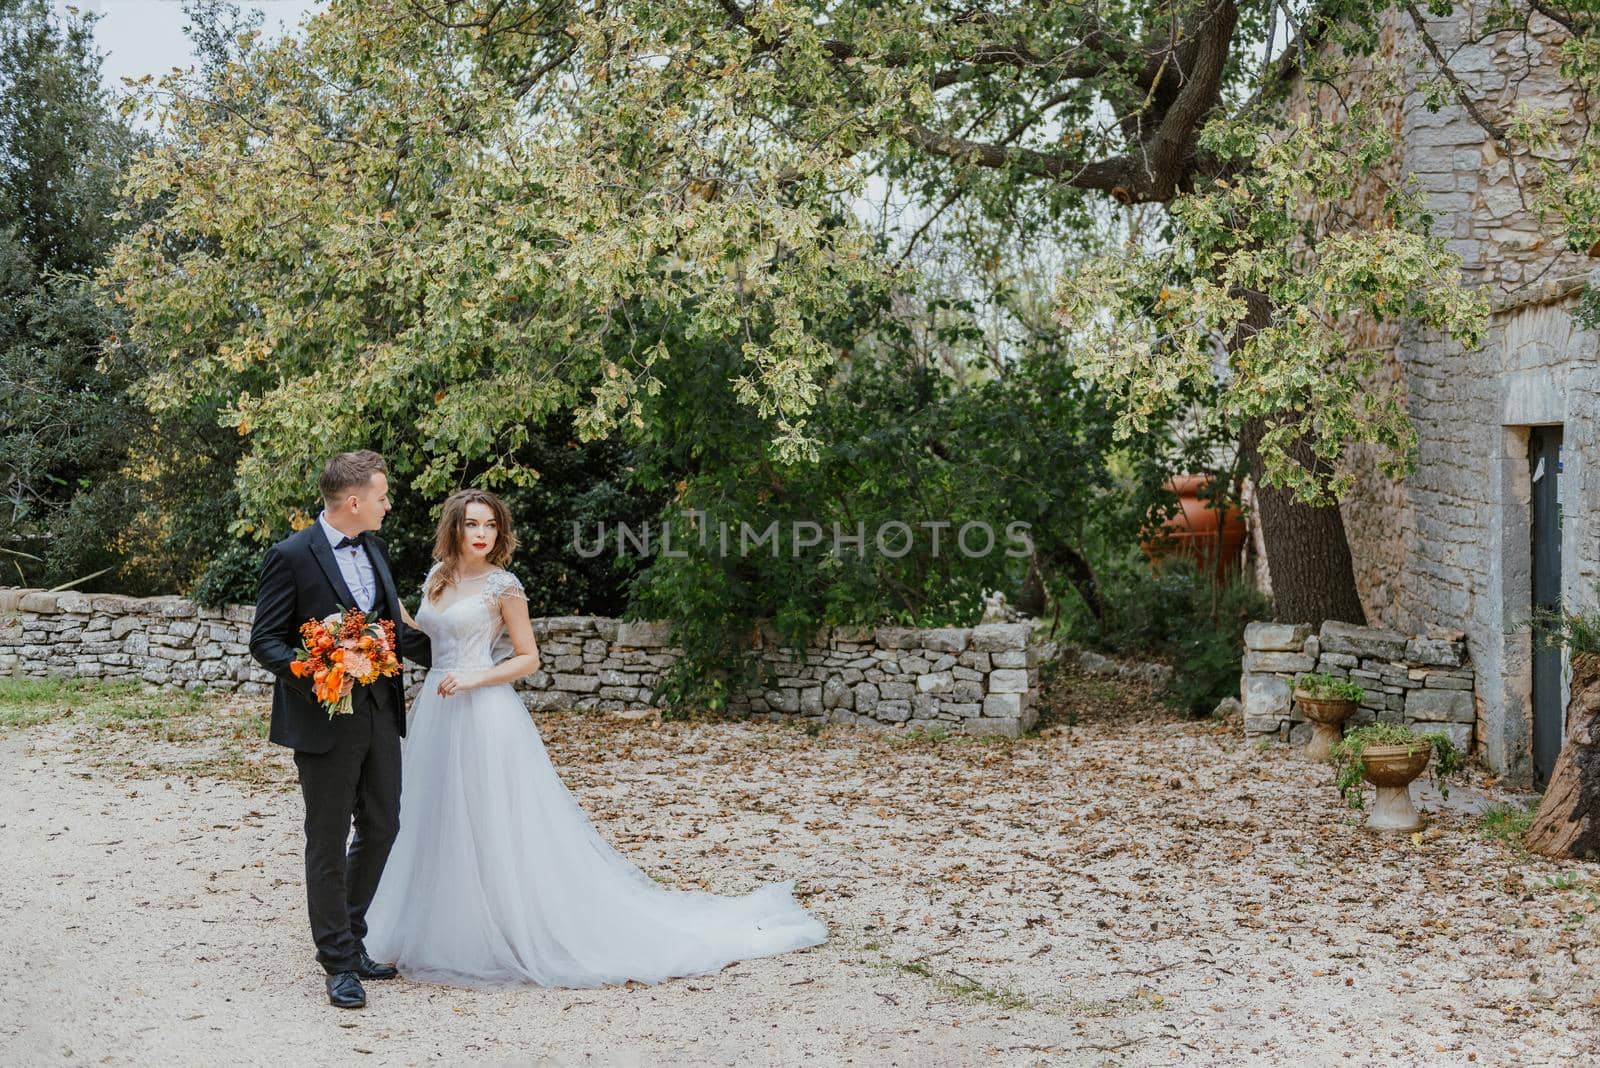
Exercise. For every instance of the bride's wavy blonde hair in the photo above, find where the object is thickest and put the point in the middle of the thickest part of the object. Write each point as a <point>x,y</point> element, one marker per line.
<point>452,530</point>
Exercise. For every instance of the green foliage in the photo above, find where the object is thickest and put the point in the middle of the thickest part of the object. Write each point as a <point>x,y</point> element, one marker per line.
<point>64,425</point>
<point>431,236</point>
<point>64,420</point>
<point>1553,147</point>
<point>1349,767</point>
<point>1323,687</point>
<point>62,148</point>
<point>1178,614</point>
<point>581,486</point>
<point>1205,661</point>
<point>107,469</point>
<point>1242,301</point>
<point>393,231</point>
<point>1569,165</point>
<point>95,481</point>
<point>1025,451</point>
<point>1577,631</point>
<point>230,577</point>
<point>718,658</point>
<point>1507,822</point>
<point>489,218</point>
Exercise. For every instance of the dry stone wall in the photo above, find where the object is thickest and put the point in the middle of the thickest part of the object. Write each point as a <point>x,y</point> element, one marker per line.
<point>1423,682</point>
<point>981,680</point>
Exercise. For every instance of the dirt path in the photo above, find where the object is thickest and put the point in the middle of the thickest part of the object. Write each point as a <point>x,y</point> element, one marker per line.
<point>1126,891</point>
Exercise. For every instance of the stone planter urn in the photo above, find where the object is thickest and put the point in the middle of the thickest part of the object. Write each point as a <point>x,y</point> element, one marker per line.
<point>1326,716</point>
<point>1391,768</point>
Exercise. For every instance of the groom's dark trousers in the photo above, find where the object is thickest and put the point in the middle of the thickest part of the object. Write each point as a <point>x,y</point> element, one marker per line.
<point>350,764</point>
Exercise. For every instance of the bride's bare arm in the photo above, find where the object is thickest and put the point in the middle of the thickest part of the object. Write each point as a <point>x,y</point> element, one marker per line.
<point>519,628</point>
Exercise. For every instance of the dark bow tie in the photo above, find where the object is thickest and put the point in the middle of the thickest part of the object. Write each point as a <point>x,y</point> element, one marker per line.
<point>346,542</point>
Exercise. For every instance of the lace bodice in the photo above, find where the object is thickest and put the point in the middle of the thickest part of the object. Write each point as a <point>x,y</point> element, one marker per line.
<point>466,629</point>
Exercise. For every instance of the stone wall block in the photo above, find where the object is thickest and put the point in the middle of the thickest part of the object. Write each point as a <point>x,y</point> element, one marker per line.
<point>1439,706</point>
<point>1375,642</point>
<point>1276,637</point>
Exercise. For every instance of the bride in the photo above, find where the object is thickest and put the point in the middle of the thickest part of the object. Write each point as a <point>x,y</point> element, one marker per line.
<point>498,876</point>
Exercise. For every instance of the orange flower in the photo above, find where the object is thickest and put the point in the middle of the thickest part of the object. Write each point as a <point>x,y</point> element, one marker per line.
<point>342,651</point>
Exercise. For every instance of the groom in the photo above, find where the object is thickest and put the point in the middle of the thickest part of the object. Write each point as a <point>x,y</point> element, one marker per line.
<point>349,764</point>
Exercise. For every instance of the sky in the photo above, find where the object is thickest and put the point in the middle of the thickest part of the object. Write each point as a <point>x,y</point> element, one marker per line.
<point>141,37</point>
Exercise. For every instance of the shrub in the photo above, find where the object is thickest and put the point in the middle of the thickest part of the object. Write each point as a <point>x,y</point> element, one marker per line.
<point>1578,631</point>
<point>902,442</point>
<point>1180,615</point>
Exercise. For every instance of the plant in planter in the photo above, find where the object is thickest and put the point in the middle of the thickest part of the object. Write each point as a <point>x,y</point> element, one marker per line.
<point>1326,701</point>
<point>1389,756</point>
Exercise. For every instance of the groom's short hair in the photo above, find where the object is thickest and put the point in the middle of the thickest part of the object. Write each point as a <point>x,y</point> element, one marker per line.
<point>350,471</point>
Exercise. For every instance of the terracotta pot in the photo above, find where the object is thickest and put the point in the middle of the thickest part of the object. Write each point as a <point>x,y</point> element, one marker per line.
<point>1391,768</point>
<point>1326,716</point>
<point>1211,537</point>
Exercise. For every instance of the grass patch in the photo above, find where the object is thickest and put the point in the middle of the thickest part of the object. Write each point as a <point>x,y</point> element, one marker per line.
<point>115,704</point>
<point>1507,823</point>
<point>211,735</point>
<point>960,986</point>
<point>965,988</point>
<point>1567,880</point>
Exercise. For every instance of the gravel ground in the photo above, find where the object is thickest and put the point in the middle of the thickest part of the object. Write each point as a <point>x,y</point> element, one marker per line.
<point>1124,888</point>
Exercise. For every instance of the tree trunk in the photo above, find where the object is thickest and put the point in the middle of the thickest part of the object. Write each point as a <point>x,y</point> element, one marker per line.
<point>1568,821</point>
<point>1308,555</point>
<point>1035,595</point>
<point>1032,599</point>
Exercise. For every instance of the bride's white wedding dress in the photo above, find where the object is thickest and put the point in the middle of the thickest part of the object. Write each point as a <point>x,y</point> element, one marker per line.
<point>499,877</point>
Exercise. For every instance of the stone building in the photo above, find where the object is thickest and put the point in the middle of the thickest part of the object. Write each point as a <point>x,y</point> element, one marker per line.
<point>1502,505</point>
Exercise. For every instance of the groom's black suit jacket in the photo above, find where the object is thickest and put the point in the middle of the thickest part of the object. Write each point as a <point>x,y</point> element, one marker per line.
<point>300,580</point>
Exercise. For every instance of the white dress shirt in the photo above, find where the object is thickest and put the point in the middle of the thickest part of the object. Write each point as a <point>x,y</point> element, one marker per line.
<point>354,565</point>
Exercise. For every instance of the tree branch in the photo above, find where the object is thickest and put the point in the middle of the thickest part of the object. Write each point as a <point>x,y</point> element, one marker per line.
<point>1199,70</point>
<point>1493,129</point>
<point>1102,175</point>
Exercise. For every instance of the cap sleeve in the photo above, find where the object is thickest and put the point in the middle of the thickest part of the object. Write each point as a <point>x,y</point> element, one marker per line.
<point>504,584</point>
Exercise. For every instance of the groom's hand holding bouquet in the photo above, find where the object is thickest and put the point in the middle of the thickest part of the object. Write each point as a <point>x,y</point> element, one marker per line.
<point>343,651</point>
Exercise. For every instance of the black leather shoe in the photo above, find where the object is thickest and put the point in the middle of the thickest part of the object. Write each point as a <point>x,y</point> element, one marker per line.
<point>368,968</point>
<point>344,990</point>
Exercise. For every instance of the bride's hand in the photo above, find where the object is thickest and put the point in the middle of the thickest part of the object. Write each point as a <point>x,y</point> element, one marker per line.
<point>453,683</point>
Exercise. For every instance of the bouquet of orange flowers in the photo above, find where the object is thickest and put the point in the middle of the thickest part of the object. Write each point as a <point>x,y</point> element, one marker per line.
<point>342,651</point>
